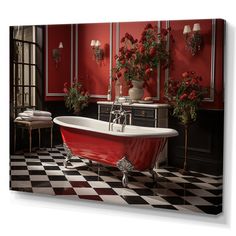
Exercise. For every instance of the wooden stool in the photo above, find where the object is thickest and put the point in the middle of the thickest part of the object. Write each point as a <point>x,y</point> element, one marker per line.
<point>30,125</point>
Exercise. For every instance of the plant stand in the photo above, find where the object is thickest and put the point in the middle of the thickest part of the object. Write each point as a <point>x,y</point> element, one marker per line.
<point>184,170</point>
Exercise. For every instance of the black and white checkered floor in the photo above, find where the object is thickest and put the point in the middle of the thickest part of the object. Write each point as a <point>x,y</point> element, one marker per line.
<point>43,172</point>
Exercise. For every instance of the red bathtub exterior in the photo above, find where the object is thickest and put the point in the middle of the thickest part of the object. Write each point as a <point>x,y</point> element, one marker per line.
<point>142,152</point>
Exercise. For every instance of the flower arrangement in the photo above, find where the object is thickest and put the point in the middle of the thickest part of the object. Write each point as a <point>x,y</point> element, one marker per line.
<point>137,60</point>
<point>76,97</point>
<point>185,96</point>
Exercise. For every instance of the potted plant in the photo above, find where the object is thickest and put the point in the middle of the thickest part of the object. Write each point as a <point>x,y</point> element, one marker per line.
<point>137,60</point>
<point>76,97</point>
<point>185,96</point>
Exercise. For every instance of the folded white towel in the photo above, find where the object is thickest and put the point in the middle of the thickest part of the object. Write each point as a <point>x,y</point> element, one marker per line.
<point>34,118</point>
<point>25,114</point>
<point>38,113</point>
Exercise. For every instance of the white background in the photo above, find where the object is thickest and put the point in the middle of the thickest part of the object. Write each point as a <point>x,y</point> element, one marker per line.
<point>27,214</point>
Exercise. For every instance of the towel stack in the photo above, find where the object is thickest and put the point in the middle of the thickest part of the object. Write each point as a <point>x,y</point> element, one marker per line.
<point>35,115</point>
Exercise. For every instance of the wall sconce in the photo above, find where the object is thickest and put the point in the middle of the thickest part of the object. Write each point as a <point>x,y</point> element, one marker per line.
<point>193,38</point>
<point>97,51</point>
<point>56,53</point>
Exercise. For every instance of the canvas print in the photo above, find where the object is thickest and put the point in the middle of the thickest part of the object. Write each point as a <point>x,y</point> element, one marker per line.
<point>125,113</point>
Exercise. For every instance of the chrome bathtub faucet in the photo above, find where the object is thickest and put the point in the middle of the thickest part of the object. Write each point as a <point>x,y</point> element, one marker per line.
<point>120,114</point>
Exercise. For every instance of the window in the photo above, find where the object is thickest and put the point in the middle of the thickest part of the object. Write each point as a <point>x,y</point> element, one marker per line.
<point>23,68</point>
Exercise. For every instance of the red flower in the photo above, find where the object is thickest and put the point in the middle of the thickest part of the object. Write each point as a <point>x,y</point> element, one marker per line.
<point>148,71</point>
<point>122,62</point>
<point>122,40</point>
<point>152,52</point>
<point>148,26</point>
<point>65,90</point>
<point>144,33</point>
<point>65,84</point>
<point>128,54</point>
<point>183,96</point>
<point>130,37</point>
<point>194,81</point>
<point>192,95</point>
<point>142,49</point>
<point>185,74</point>
<point>119,74</point>
<point>121,49</point>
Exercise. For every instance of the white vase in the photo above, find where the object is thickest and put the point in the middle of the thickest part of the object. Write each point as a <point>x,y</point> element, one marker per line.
<point>137,91</point>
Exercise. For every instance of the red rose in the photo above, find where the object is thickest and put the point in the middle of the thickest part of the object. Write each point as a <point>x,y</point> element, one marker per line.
<point>148,26</point>
<point>183,97</point>
<point>121,49</point>
<point>194,81</point>
<point>65,90</point>
<point>65,84</point>
<point>142,49</point>
<point>148,71</point>
<point>192,95</point>
<point>122,40</point>
<point>122,62</point>
<point>127,35</point>
<point>128,54</point>
<point>152,52</point>
<point>130,37</point>
<point>187,83</point>
<point>185,74</point>
<point>119,74</point>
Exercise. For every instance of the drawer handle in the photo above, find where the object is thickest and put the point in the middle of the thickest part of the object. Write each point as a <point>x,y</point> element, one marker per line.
<point>143,113</point>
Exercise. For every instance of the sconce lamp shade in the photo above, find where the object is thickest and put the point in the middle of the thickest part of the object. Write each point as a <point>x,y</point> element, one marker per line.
<point>98,43</point>
<point>187,29</point>
<point>60,45</point>
<point>196,27</point>
<point>93,42</point>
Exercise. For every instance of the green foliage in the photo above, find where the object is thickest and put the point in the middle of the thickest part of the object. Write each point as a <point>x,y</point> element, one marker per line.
<point>139,59</point>
<point>185,96</point>
<point>76,98</point>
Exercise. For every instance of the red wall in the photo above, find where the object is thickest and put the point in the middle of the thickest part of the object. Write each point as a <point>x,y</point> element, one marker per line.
<point>95,76</point>
<point>60,73</point>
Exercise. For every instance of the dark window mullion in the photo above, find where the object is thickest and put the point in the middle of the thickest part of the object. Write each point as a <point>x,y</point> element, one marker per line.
<point>30,45</point>
<point>23,69</point>
<point>16,87</point>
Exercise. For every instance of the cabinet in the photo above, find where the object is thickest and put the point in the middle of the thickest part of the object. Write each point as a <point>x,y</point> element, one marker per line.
<point>148,115</point>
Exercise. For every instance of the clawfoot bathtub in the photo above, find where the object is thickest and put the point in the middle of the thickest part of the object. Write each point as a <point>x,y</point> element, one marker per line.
<point>136,148</point>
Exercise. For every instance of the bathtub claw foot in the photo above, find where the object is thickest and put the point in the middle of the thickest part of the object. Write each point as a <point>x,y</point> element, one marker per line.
<point>65,163</point>
<point>125,179</point>
<point>154,175</point>
<point>124,165</point>
<point>69,155</point>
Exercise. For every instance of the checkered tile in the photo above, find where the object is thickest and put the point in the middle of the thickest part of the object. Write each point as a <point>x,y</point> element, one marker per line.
<point>43,172</point>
